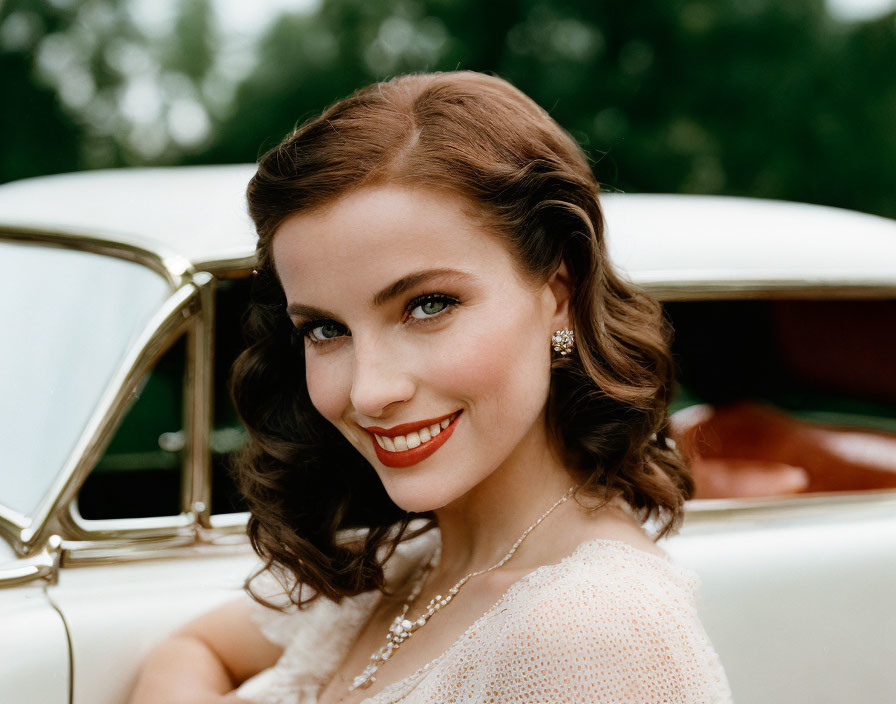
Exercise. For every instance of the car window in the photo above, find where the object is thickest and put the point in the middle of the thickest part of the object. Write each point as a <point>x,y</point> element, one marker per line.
<point>139,474</point>
<point>821,360</point>
<point>228,434</point>
<point>69,318</point>
<point>790,386</point>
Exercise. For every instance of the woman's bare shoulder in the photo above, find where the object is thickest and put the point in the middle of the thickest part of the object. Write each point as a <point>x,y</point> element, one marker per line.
<point>616,521</point>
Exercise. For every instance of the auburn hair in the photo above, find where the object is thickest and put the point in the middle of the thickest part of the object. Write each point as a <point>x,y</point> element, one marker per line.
<point>607,411</point>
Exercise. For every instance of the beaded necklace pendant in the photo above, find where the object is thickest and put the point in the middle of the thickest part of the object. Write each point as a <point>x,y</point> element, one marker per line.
<point>403,628</point>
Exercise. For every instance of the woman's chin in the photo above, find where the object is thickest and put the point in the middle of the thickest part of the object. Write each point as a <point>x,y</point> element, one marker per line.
<point>417,504</point>
<point>414,500</point>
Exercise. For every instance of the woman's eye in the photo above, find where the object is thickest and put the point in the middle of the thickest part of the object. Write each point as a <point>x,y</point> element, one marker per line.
<point>430,306</point>
<point>420,310</point>
<point>322,332</point>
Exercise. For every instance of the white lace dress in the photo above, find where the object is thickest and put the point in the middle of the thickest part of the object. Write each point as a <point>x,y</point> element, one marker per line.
<point>609,623</point>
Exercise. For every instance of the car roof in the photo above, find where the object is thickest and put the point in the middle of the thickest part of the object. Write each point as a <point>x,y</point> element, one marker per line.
<point>200,213</point>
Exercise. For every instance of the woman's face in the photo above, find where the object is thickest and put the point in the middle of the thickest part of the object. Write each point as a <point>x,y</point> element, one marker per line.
<point>423,344</point>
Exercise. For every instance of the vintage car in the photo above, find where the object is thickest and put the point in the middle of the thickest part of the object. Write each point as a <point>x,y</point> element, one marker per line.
<point>123,292</point>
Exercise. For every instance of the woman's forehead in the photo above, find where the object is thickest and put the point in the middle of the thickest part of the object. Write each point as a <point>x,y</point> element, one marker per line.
<point>375,211</point>
<point>377,235</point>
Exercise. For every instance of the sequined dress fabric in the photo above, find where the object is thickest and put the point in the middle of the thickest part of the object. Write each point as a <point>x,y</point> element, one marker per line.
<point>607,624</point>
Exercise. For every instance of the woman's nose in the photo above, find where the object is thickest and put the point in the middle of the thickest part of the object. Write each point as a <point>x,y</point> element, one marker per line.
<point>380,377</point>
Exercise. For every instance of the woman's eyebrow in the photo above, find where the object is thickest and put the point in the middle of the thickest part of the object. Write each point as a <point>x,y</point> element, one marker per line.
<point>391,291</point>
<point>411,280</point>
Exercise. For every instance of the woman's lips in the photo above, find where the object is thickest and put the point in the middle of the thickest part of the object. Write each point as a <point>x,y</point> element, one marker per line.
<point>406,458</point>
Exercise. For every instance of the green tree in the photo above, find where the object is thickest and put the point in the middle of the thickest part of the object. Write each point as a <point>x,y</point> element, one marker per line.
<point>741,97</point>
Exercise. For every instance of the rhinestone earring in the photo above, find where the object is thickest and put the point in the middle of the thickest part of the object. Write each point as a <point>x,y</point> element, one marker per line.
<point>563,341</point>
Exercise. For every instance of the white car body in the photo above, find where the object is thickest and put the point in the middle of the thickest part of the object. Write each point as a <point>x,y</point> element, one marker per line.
<point>797,592</point>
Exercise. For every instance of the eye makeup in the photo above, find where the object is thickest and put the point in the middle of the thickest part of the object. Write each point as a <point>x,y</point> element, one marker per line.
<point>309,330</point>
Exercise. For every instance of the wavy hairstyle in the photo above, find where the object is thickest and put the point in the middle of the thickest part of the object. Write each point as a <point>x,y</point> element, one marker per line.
<point>480,137</point>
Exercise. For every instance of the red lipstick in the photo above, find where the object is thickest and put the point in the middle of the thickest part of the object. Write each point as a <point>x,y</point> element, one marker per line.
<point>419,453</point>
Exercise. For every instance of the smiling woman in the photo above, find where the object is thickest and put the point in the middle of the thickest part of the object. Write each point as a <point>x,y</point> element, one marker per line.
<point>434,348</point>
<point>458,416</point>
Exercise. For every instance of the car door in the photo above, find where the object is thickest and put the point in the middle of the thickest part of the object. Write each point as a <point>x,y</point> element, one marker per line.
<point>117,611</point>
<point>34,652</point>
<point>797,594</point>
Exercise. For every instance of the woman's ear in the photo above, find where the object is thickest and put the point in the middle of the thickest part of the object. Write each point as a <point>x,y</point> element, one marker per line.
<point>560,286</point>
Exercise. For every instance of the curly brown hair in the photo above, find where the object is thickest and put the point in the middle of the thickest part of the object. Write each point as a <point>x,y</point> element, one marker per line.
<point>479,136</point>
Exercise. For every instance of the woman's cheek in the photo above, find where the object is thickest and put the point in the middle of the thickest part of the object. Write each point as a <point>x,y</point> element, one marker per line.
<point>324,382</point>
<point>499,360</point>
<point>477,363</point>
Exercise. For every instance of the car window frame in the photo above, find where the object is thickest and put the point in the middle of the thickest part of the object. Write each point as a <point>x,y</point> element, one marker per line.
<point>188,311</point>
<point>708,514</point>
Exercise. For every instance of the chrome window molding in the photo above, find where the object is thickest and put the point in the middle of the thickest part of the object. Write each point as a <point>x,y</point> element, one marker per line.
<point>196,488</point>
<point>110,552</point>
<point>223,523</point>
<point>168,323</point>
<point>43,565</point>
<point>190,313</point>
<point>80,529</point>
<point>705,515</point>
<point>781,289</point>
<point>108,546</point>
<point>183,312</point>
<point>230,268</point>
<point>174,268</point>
<point>11,522</point>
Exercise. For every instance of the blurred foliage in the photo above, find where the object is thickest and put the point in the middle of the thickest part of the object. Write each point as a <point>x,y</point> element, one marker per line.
<point>767,98</point>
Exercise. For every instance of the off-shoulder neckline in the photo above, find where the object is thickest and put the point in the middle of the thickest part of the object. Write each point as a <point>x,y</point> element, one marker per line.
<point>586,545</point>
<point>664,561</point>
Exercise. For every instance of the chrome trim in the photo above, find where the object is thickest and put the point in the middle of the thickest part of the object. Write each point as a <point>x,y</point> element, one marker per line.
<point>705,515</point>
<point>227,268</point>
<point>199,405</point>
<point>12,522</point>
<point>164,327</point>
<point>109,552</point>
<point>229,522</point>
<point>43,565</point>
<point>189,310</point>
<point>139,529</point>
<point>780,289</point>
<point>225,529</point>
<point>173,267</point>
<point>112,540</point>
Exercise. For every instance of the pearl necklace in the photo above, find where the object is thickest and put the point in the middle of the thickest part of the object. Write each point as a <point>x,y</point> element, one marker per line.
<point>403,628</point>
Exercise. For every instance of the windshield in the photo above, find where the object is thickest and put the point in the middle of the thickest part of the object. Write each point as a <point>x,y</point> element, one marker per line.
<point>68,319</point>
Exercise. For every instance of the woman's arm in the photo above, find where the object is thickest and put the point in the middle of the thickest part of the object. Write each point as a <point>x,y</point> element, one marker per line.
<point>206,659</point>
